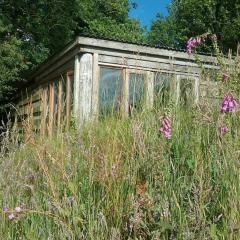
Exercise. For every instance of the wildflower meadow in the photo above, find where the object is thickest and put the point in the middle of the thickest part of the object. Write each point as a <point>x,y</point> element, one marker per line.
<point>172,172</point>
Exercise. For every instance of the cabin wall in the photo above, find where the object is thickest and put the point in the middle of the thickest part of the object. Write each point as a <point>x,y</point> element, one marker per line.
<point>47,107</point>
<point>96,81</point>
<point>117,78</point>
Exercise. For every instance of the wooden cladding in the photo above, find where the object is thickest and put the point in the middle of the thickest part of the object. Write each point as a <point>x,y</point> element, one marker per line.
<point>57,111</point>
<point>49,107</point>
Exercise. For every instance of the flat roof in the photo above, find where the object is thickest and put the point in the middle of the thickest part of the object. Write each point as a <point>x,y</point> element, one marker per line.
<point>80,44</point>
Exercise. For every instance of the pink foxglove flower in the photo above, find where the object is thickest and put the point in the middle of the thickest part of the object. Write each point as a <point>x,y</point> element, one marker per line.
<point>166,128</point>
<point>222,131</point>
<point>193,42</point>
<point>11,216</point>
<point>229,104</point>
<point>18,209</point>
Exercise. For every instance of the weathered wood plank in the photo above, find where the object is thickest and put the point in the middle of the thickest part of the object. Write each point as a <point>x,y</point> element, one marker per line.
<point>33,96</point>
<point>149,89</point>
<point>197,89</point>
<point>154,66</point>
<point>68,100</point>
<point>77,90</point>
<point>125,93</point>
<point>131,59</point>
<point>85,79</point>
<point>59,103</point>
<point>51,110</point>
<point>95,87</point>
<point>43,112</point>
<point>85,42</point>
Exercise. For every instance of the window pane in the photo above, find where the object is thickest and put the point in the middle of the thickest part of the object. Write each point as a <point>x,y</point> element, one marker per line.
<point>186,91</point>
<point>110,90</point>
<point>162,88</point>
<point>136,90</point>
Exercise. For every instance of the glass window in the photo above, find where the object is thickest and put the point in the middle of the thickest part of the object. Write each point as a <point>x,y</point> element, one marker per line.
<point>187,94</point>
<point>136,90</point>
<point>110,90</point>
<point>163,87</point>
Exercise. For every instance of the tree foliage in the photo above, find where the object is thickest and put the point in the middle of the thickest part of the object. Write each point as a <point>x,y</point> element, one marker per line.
<point>30,31</point>
<point>189,18</point>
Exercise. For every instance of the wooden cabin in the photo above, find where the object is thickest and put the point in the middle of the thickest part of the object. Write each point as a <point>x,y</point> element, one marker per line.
<point>92,77</point>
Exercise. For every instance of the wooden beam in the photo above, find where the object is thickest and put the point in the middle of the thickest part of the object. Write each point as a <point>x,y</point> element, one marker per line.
<point>149,89</point>
<point>84,96</point>
<point>94,43</point>
<point>51,109</point>
<point>197,89</point>
<point>95,87</point>
<point>59,115</point>
<point>125,93</point>
<point>76,105</point>
<point>68,100</point>
<point>176,88</point>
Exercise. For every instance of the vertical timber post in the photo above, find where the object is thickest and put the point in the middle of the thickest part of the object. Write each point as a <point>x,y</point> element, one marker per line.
<point>68,102</point>
<point>95,87</point>
<point>196,89</point>
<point>178,79</point>
<point>85,82</point>
<point>125,93</point>
<point>149,89</point>
<point>76,105</point>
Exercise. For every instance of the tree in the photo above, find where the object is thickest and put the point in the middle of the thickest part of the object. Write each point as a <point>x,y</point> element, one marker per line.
<point>189,18</point>
<point>12,62</point>
<point>32,30</point>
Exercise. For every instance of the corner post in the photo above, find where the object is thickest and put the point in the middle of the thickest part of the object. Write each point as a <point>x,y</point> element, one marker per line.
<point>85,88</point>
<point>149,89</point>
<point>76,109</point>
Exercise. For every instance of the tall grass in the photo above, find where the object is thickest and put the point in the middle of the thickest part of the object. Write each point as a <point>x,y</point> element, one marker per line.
<point>122,179</point>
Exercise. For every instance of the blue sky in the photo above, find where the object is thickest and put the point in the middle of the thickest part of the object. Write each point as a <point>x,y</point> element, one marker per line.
<point>147,10</point>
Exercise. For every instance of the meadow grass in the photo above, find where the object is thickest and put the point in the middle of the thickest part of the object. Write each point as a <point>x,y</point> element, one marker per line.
<point>121,179</point>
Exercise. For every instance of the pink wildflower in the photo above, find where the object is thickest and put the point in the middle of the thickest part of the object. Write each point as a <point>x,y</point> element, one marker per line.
<point>229,104</point>
<point>18,209</point>
<point>11,216</point>
<point>193,42</point>
<point>5,209</point>
<point>222,131</point>
<point>166,129</point>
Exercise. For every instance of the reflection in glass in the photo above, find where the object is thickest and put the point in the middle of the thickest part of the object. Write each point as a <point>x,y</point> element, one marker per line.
<point>163,84</point>
<point>136,91</point>
<point>110,90</point>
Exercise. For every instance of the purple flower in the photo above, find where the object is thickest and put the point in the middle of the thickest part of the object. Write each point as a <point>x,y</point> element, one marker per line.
<point>11,216</point>
<point>193,42</point>
<point>5,209</point>
<point>166,129</point>
<point>18,209</point>
<point>229,104</point>
<point>222,131</point>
